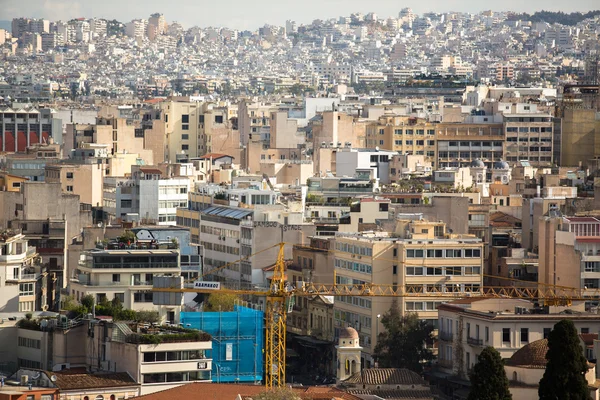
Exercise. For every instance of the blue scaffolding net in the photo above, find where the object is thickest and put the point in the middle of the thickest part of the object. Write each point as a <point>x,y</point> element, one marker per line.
<point>238,341</point>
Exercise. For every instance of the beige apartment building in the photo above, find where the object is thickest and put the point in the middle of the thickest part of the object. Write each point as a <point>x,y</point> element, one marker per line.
<point>467,326</point>
<point>459,144</point>
<point>421,256</point>
<point>85,180</point>
<point>529,137</point>
<point>407,135</point>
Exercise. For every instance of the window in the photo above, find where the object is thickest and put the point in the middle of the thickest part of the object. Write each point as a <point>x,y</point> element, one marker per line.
<point>524,335</point>
<point>453,253</point>
<point>414,253</point>
<point>547,332</point>
<point>394,269</point>
<point>185,136</point>
<point>185,118</point>
<point>69,175</point>
<point>506,335</point>
<point>185,147</point>
<point>487,334</point>
<point>585,330</point>
<point>69,188</point>
<point>218,119</point>
<point>185,127</point>
<point>412,271</point>
<point>126,203</point>
<point>116,277</point>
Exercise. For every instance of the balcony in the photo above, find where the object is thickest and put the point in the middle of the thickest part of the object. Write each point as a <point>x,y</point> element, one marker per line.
<point>446,336</point>
<point>474,341</point>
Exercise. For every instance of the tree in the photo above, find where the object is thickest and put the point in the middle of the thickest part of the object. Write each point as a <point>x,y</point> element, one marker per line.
<point>283,393</point>
<point>88,302</point>
<point>221,302</point>
<point>564,377</point>
<point>488,379</point>
<point>402,344</point>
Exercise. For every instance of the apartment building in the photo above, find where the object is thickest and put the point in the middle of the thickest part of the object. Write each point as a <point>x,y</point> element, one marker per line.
<point>458,145</point>
<point>467,326</point>
<point>150,194</point>
<point>31,163</point>
<point>24,127</point>
<point>254,121</point>
<point>529,136</point>
<point>407,135</point>
<point>420,255</point>
<point>126,272</point>
<point>84,179</point>
<point>23,286</point>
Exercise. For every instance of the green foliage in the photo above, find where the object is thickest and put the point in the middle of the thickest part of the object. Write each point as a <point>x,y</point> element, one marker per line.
<point>365,88</point>
<point>126,237</point>
<point>488,378</point>
<point>183,335</point>
<point>31,324</point>
<point>283,393</point>
<point>221,302</point>
<point>68,303</point>
<point>88,301</point>
<point>564,377</point>
<point>150,317</point>
<point>552,17</point>
<point>402,344</point>
<point>29,316</point>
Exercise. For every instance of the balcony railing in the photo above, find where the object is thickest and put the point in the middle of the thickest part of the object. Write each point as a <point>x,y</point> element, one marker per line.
<point>446,336</point>
<point>474,341</point>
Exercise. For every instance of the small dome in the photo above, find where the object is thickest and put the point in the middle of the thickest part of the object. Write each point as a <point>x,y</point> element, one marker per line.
<point>532,355</point>
<point>348,333</point>
<point>477,164</point>
<point>501,165</point>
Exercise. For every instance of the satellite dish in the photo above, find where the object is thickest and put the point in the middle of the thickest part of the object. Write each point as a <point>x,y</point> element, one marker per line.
<point>53,378</point>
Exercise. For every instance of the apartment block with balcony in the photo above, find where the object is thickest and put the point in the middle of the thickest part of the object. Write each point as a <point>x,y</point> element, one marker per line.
<point>407,135</point>
<point>420,256</point>
<point>22,288</point>
<point>126,272</point>
<point>24,127</point>
<point>151,194</point>
<point>529,137</point>
<point>458,145</point>
<point>469,325</point>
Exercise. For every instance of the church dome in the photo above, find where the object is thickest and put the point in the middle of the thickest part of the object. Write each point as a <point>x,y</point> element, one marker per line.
<point>501,165</point>
<point>532,355</point>
<point>477,164</point>
<point>348,333</point>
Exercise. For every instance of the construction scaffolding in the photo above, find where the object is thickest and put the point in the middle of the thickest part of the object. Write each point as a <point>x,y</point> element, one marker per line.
<point>238,342</point>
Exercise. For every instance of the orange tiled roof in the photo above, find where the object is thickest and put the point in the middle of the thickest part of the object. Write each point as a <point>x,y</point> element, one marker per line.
<point>71,381</point>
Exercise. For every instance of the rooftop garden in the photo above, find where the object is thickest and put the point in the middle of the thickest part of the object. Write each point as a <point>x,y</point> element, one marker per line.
<point>171,334</point>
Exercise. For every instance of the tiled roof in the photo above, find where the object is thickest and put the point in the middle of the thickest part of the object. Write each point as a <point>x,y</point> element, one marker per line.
<point>588,338</point>
<point>230,391</point>
<point>70,381</point>
<point>386,376</point>
<point>396,394</point>
<point>532,355</point>
<point>214,156</point>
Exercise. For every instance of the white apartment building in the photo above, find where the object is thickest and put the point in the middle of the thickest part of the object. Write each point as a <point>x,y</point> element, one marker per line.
<point>21,283</point>
<point>126,272</point>
<point>147,196</point>
<point>469,325</point>
<point>364,163</point>
<point>420,256</point>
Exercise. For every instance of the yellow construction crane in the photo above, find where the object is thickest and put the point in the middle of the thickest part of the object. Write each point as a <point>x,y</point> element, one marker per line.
<point>279,294</point>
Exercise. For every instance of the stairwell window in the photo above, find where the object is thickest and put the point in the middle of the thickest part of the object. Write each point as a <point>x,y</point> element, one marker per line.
<point>506,335</point>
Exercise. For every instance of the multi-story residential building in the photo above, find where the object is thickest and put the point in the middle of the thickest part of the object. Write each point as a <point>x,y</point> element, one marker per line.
<point>184,124</point>
<point>336,187</point>
<point>459,144</point>
<point>420,256</point>
<point>364,162</point>
<point>126,271</point>
<point>467,326</point>
<point>31,164</point>
<point>529,137</point>
<point>407,135</point>
<point>21,128</point>
<point>23,286</point>
<point>254,121</point>
<point>82,179</point>
<point>149,194</point>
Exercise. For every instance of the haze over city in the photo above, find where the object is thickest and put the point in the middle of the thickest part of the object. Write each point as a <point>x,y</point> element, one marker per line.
<point>299,200</point>
<point>241,14</point>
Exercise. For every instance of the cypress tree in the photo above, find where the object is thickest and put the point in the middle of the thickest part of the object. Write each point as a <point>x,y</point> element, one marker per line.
<point>564,377</point>
<point>488,378</point>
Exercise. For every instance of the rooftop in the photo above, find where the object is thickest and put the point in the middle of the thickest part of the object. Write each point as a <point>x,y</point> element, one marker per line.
<point>77,380</point>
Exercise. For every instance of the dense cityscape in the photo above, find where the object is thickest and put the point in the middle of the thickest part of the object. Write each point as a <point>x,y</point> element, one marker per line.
<point>360,207</point>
